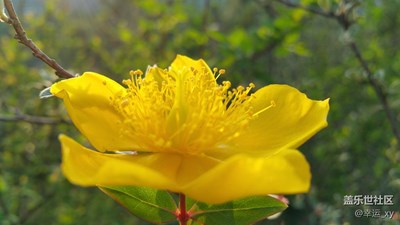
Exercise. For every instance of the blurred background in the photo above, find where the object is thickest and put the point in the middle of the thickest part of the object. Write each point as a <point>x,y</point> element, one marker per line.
<point>260,41</point>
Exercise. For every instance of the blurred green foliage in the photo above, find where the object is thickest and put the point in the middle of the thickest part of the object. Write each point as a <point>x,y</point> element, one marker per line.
<point>255,41</point>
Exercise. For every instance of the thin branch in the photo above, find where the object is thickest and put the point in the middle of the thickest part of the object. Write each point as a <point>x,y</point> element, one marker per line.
<point>26,216</point>
<point>343,19</point>
<point>309,9</point>
<point>23,39</point>
<point>32,119</point>
<point>340,16</point>
<point>379,91</point>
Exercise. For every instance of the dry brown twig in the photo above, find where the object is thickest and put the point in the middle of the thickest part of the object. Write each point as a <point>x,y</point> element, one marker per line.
<point>21,36</point>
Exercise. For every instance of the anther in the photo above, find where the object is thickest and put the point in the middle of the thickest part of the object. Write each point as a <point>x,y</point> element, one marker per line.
<point>215,69</point>
<point>240,88</point>
<point>227,83</point>
<point>272,104</point>
<point>127,82</point>
<point>135,73</point>
<point>252,85</point>
<point>138,72</point>
<point>220,72</point>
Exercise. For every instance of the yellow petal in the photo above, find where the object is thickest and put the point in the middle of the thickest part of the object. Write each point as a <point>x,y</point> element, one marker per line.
<point>183,69</point>
<point>286,172</point>
<point>199,177</point>
<point>85,167</point>
<point>292,120</point>
<point>157,74</point>
<point>184,62</point>
<point>87,99</point>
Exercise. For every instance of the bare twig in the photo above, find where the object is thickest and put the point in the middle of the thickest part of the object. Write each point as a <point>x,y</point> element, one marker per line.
<point>23,39</point>
<point>25,217</point>
<point>379,91</point>
<point>342,17</point>
<point>32,119</point>
<point>309,9</point>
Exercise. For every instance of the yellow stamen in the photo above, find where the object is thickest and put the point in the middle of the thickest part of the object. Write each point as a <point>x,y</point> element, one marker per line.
<point>183,111</point>
<point>273,104</point>
<point>220,72</point>
<point>136,73</point>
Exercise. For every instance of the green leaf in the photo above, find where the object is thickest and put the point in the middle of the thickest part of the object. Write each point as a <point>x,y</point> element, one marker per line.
<point>240,212</point>
<point>152,205</point>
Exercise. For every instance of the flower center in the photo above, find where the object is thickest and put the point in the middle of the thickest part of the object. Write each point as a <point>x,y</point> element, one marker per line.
<point>183,110</point>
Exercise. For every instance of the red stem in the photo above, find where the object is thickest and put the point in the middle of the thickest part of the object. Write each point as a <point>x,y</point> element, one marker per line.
<point>183,216</point>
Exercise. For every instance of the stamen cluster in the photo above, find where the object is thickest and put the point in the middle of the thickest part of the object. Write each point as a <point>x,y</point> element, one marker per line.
<point>183,111</point>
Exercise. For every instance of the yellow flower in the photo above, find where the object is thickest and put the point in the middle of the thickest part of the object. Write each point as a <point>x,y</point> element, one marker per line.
<point>177,129</point>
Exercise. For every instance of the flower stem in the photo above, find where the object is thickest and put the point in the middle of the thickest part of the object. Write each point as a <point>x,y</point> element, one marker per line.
<point>183,216</point>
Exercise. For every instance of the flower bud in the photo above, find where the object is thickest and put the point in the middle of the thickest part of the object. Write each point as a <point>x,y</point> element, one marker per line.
<point>3,16</point>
